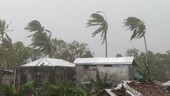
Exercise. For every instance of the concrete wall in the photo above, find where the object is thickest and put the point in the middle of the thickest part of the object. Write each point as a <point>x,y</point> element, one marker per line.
<point>48,74</point>
<point>6,77</point>
<point>115,73</point>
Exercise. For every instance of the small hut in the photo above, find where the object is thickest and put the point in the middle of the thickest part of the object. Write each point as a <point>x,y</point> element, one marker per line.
<point>44,70</point>
<point>116,68</point>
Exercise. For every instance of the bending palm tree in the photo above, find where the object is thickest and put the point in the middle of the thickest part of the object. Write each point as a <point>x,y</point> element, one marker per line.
<point>98,20</point>
<point>41,40</point>
<point>3,28</point>
<point>5,42</point>
<point>138,28</point>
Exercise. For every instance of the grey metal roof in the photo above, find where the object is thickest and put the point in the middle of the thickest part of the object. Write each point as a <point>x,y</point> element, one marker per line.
<point>104,60</point>
<point>49,62</point>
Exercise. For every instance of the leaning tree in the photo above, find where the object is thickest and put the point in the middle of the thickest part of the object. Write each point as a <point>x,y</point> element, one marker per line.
<point>41,38</point>
<point>99,20</point>
<point>138,29</point>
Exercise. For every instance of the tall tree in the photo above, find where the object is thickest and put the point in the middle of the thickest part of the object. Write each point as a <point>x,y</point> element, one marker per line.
<point>61,49</point>
<point>7,56</point>
<point>41,39</point>
<point>139,29</point>
<point>99,20</point>
<point>5,43</point>
<point>71,51</point>
<point>3,28</point>
<point>78,50</point>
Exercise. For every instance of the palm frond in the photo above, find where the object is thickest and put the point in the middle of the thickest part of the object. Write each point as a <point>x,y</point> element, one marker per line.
<point>3,28</point>
<point>7,42</point>
<point>90,25</point>
<point>97,31</point>
<point>34,26</point>
<point>136,26</point>
<point>95,21</point>
<point>98,20</point>
<point>104,37</point>
<point>97,16</point>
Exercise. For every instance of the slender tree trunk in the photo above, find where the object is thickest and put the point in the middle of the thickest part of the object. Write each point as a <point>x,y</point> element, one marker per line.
<point>49,52</point>
<point>106,46</point>
<point>146,50</point>
<point>147,62</point>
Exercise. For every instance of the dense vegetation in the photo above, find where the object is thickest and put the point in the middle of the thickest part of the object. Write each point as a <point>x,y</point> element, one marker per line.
<point>63,88</point>
<point>152,66</point>
<point>159,63</point>
<point>43,45</point>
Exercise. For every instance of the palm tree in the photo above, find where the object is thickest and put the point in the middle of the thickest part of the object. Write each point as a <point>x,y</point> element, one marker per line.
<point>139,29</point>
<point>5,42</point>
<point>98,20</point>
<point>41,39</point>
<point>3,28</point>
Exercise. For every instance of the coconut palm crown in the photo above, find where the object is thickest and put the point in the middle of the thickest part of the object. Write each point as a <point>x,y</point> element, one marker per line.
<point>136,26</point>
<point>41,38</point>
<point>98,20</point>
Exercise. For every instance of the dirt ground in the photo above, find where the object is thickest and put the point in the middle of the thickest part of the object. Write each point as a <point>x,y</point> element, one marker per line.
<point>149,89</point>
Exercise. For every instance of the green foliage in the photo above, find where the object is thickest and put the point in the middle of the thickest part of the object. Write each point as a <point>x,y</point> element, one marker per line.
<point>98,20</point>
<point>23,53</point>
<point>34,26</point>
<point>14,55</point>
<point>9,90</point>
<point>5,44</point>
<point>42,45</point>
<point>45,45</point>
<point>71,51</point>
<point>47,89</point>
<point>99,84</point>
<point>63,88</point>
<point>68,89</point>
<point>25,89</point>
<point>3,29</point>
<point>18,54</point>
<point>41,39</point>
<point>136,26</point>
<point>159,64</point>
<point>86,91</point>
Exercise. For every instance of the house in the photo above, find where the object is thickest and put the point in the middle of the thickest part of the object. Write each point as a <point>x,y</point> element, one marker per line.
<point>116,68</point>
<point>6,76</point>
<point>44,69</point>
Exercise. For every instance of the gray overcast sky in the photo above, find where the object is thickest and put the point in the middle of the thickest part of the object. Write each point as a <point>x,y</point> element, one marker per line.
<point>67,20</point>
